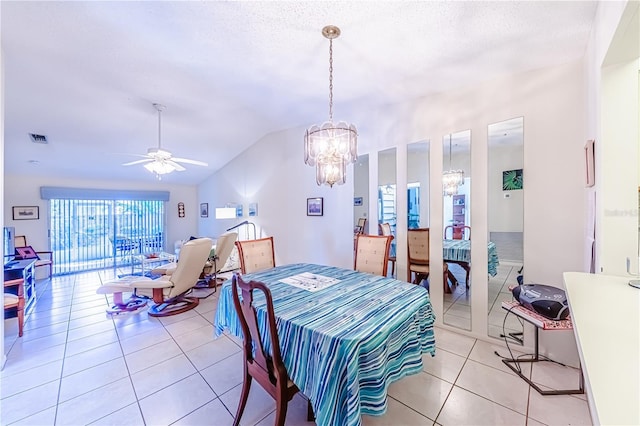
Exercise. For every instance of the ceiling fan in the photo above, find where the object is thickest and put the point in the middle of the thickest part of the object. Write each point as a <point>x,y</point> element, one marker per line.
<point>161,161</point>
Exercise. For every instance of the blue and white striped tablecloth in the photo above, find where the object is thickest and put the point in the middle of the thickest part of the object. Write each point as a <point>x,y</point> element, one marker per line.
<point>460,250</point>
<point>345,344</point>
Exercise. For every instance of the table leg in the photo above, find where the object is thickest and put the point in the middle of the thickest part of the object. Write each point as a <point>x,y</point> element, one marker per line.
<point>536,358</point>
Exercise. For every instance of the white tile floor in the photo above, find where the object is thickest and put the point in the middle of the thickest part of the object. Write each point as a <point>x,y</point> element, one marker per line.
<point>75,366</point>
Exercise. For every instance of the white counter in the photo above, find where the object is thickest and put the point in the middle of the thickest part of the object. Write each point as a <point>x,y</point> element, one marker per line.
<point>606,321</point>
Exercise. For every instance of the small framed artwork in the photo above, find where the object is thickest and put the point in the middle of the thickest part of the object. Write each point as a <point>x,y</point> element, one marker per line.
<point>253,209</point>
<point>26,212</point>
<point>589,152</point>
<point>315,206</point>
<point>357,201</point>
<point>181,209</point>
<point>512,180</point>
<point>204,209</point>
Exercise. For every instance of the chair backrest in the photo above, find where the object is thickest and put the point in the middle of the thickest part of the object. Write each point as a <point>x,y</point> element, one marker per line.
<point>256,356</point>
<point>462,232</point>
<point>360,227</point>
<point>418,246</point>
<point>256,255</point>
<point>224,246</point>
<point>384,228</point>
<point>372,254</point>
<point>193,256</point>
<point>20,241</point>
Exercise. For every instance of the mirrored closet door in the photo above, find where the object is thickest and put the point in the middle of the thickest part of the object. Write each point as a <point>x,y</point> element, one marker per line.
<point>456,210</point>
<point>505,197</point>
<point>361,194</point>
<point>387,197</point>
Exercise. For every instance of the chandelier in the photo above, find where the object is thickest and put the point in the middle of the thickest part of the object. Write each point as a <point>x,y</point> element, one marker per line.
<point>451,179</point>
<point>331,146</point>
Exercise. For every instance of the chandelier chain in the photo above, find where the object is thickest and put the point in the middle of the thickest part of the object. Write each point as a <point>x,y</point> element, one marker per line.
<point>331,80</point>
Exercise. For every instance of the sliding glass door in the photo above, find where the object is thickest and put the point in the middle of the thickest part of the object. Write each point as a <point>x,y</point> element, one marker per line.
<point>96,234</point>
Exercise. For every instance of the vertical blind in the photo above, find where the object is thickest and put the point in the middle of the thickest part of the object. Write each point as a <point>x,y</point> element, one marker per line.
<point>88,234</point>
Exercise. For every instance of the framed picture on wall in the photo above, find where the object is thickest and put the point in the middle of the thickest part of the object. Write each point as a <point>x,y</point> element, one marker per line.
<point>26,212</point>
<point>589,152</point>
<point>357,201</point>
<point>204,209</point>
<point>512,180</point>
<point>315,206</point>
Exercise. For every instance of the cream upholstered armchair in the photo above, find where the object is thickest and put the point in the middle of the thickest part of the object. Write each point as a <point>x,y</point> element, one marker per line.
<point>220,255</point>
<point>372,253</point>
<point>169,291</point>
<point>256,255</point>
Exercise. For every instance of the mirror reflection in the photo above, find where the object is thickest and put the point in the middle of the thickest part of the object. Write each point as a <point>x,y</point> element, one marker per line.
<point>505,222</point>
<point>418,185</point>
<point>360,195</point>
<point>387,200</point>
<point>418,234</point>
<point>456,244</point>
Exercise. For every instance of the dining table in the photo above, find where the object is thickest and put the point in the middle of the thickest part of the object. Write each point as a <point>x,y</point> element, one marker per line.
<point>459,251</point>
<point>345,336</point>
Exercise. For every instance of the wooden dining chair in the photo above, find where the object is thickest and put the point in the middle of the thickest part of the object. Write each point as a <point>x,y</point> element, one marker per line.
<point>418,257</point>
<point>267,368</point>
<point>256,255</point>
<point>15,301</point>
<point>457,232</point>
<point>385,229</point>
<point>372,254</point>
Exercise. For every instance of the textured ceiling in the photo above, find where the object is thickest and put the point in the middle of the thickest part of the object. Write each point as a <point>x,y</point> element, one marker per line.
<point>86,73</point>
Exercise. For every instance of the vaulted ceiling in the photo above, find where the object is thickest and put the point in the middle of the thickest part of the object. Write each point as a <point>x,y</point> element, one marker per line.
<point>86,74</point>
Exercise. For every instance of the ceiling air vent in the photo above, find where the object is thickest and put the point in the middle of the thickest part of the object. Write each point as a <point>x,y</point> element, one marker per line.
<point>38,138</point>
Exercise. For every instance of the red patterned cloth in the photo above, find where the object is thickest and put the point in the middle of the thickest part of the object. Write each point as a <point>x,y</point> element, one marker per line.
<point>534,318</point>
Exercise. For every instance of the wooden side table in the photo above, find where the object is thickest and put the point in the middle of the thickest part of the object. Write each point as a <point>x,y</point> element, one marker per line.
<point>543,323</point>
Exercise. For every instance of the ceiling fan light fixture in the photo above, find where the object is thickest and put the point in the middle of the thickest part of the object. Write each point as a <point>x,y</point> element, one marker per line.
<point>159,168</point>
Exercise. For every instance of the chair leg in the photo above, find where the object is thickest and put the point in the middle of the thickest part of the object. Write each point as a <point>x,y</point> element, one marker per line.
<point>20,321</point>
<point>281,410</point>
<point>310,415</point>
<point>246,385</point>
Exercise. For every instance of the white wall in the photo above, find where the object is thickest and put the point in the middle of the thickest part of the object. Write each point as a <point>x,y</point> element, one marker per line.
<point>272,173</point>
<point>613,116</point>
<point>4,356</point>
<point>418,171</point>
<point>24,190</point>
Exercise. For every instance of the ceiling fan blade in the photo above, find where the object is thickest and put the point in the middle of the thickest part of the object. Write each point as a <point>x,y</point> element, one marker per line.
<point>131,163</point>
<point>187,161</point>
<point>177,166</point>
